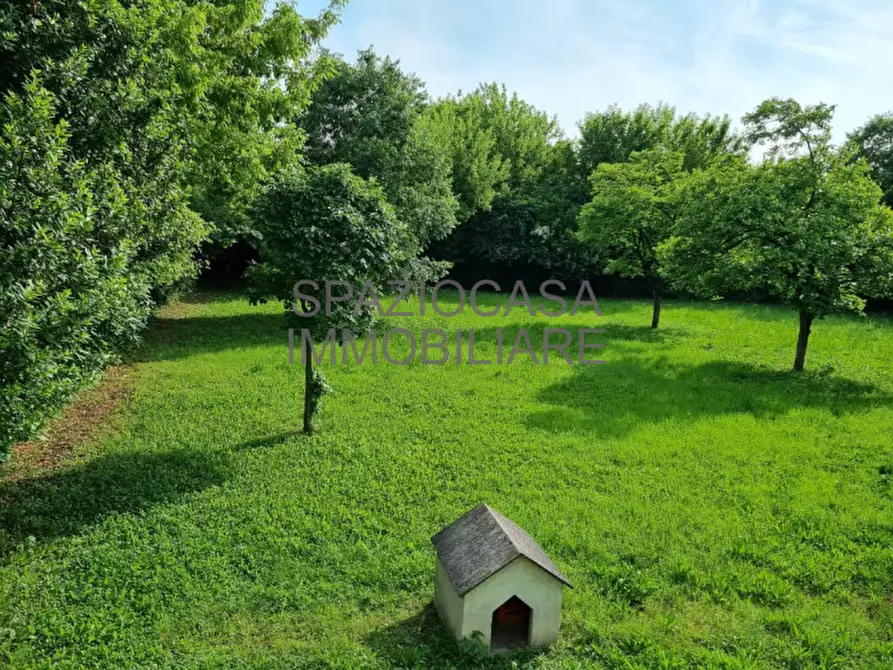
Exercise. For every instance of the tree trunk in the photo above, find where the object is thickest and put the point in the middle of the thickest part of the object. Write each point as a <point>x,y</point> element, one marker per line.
<point>655,314</point>
<point>802,340</point>
<point>308,388</point>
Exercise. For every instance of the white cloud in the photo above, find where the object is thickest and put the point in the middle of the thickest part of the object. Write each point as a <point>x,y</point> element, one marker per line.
<point>569,57</point>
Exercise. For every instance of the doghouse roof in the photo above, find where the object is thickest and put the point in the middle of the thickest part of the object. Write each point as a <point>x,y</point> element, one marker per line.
<point>480,543</point>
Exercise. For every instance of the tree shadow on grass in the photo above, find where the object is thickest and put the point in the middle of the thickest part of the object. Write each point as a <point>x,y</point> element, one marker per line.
<point>423,641</point>
<point>270,441</point>
<point>174,339</point>
<point>179,338</point>
<point>618,332</point>
<point>613,335</point>
<point>63,502</point>
<point>624,394</point>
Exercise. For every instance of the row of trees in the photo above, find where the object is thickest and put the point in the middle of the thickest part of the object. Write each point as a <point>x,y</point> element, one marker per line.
<point>130,131</point>
<point>676,201</point>
<point>139,139</point>
<point>805,227</point>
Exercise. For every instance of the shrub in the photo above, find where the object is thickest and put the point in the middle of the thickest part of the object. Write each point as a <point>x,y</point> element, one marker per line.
<point>76,274</point>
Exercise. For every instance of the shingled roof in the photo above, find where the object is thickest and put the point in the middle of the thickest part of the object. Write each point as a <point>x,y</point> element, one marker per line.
<point>482,542</point>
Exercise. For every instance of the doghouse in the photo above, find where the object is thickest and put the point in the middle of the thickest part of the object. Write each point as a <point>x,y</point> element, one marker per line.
<point>493,578</point>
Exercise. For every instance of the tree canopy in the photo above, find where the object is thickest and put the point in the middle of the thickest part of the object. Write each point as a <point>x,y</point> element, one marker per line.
<point>371,115</point>
<point>517,182</point>
<point>874,143</point>
<point>805,227</point>
<point>614,135</point>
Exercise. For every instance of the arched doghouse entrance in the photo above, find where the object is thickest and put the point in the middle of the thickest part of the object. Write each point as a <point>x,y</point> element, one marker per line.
<point>511,625</point>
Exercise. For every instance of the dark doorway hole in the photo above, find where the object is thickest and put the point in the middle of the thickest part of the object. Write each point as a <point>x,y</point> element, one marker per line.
<point>511,625</point>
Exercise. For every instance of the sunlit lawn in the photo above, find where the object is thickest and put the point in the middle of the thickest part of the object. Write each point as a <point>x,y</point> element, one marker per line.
<point>709,506</point>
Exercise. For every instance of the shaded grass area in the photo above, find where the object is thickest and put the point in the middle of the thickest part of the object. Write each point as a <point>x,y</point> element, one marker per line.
<point>711,508</point>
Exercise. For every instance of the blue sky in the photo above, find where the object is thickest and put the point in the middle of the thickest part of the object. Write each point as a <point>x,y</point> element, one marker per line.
<point>572,56</point>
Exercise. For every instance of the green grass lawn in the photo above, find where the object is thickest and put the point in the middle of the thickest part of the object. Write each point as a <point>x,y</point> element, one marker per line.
<point>710,507</point>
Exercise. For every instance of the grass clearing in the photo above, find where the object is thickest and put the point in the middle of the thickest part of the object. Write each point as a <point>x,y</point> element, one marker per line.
<point>710,507</point>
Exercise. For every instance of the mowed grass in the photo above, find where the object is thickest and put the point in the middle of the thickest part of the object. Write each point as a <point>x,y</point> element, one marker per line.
<point>711,508</point>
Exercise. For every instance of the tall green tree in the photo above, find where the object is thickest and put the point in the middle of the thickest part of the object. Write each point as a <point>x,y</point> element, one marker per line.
<point>633,210</point>
<point>325,225</point>
<point>805,227</point>
<point>515,179</point>
<point>479,173</point>
<point>522,134</point>
<point>94,221</point>
<point>371,115</point>
<point>874,143</point>
<point>175,85</point>
<point>257,71</point>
